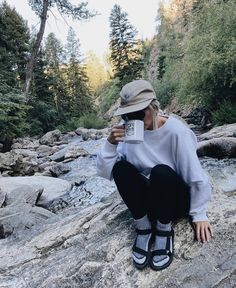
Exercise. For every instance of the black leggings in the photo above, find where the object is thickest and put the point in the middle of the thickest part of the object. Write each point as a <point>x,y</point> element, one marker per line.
<point>164,196</point>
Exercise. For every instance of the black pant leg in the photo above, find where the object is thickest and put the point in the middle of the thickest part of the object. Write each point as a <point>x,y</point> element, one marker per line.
<point>169,197</point>
<point>132,187</point>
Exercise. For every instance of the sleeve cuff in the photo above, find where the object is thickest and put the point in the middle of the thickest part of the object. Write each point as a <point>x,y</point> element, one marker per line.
<point>200,217</point>
<point>110,148</point>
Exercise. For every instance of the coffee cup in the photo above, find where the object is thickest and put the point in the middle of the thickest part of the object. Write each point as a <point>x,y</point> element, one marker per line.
<point>134,131</point>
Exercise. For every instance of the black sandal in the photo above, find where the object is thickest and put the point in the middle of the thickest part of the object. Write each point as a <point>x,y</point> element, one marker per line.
<point>141,251</point>
<point>163,252</point>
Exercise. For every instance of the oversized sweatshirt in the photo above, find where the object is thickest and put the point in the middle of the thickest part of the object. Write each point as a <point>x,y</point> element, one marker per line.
<point>173,144</point>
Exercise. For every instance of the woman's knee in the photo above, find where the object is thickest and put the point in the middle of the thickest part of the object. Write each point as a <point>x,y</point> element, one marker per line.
<point>121,167</point>
<point>162,171</point>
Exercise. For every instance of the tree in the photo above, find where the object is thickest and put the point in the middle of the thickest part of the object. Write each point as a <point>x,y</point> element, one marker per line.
<point>53,57</point>
<point>14,45</point>
<point>78,92</point>
<point>96,71</point>
<point>41,8</point>
<point>42,115</point>
<point>14,42</point>
<point>126,54</point>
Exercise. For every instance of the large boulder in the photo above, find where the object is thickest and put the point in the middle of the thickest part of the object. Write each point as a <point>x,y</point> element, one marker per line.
<point>227,130</point>
<point>20,212</point>
<point>218,147</point>
<point>53,188</point>
<point>50,137</point>
<point>92,248</point>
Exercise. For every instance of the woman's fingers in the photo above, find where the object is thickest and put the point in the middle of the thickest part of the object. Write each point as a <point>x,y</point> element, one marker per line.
<point>116,135</point>
<point>198,233</point>
<point>203,231</point>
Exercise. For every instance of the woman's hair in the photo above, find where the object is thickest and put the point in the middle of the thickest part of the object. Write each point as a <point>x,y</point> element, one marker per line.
<point>154,107</point>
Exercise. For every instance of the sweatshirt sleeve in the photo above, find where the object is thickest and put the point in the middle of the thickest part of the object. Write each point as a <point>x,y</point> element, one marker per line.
<point>106,158</point>
<point>189,168</point>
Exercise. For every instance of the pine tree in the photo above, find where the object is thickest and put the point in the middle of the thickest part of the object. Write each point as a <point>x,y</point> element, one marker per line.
<point>126,55</point>
<point>43,115</point>
<point>41,8</point>
<point>14,45</point>
<point>14,40</point>
<point>78,91</point>
<point>54,60</point>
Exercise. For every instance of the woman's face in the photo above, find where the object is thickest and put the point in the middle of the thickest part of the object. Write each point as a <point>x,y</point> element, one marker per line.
<point>148,119</point>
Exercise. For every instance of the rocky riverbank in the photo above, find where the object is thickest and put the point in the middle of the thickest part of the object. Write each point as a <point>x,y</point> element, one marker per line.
<point>62,226</point>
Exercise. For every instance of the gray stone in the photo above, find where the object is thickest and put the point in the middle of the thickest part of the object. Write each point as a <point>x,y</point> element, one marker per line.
<point>24,194</point>
<point>9,161</point>
<point>58,156</point>
<point>75,152</point>
<point>2,198</point>
<point>218,147</point>
<point>92,248</point>
<point>58,170</point>
<point>50,137</point>
<point>17,217</point>
<point>53,188</point>
<point>227,130</point>
<point>25,143</point>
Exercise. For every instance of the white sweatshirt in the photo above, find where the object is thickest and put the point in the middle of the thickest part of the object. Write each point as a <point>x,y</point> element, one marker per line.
<point>173,144</point>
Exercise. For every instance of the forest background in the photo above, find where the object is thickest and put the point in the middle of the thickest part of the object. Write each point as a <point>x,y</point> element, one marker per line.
<point>190,59</point>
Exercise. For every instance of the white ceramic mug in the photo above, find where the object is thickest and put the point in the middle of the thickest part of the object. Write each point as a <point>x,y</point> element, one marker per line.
<point>134,131</point>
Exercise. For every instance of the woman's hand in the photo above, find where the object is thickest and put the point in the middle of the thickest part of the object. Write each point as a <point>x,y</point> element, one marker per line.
<point>117,134</point>
<point>203,231</point>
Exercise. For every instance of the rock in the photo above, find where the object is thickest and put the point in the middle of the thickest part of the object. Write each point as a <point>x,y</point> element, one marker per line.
<point>58,156</point>
<point>53,188</point>
<point>75,152</point>
<point>9,161</point>
<point>14,218</point>
<point>24,194</point>
<point>58,170</point>
<point>2,198</point>
<point>50,137</point>
<point>92,248</point>
<point>92,133</point>
<point>44,150</point>
<point>218,147</point>
<point>228,130</point>
<point>1,147</point>
<point>25,143</point>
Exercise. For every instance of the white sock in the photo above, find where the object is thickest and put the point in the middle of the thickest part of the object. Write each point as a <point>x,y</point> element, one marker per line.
<point>160,243</point>
<point>142,240</point>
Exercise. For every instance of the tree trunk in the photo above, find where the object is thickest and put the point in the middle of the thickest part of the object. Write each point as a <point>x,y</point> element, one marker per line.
<point>32,60</point>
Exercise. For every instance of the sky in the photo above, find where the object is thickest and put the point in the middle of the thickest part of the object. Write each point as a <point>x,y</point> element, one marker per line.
<point>94,34</point>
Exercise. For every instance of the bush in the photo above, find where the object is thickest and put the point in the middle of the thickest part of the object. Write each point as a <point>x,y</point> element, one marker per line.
<point>91,121</point>
<point>225,114</point>
<point>108,95</point>
<point>87,121</point>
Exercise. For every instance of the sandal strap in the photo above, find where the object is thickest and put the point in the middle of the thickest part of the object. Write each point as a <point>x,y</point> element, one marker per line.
<point>164,233</point>
<point>140,251</point>
<point>161,252</point>
<point>143,232</point>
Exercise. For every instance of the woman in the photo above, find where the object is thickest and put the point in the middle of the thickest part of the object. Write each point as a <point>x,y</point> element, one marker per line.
<point>160,179</point>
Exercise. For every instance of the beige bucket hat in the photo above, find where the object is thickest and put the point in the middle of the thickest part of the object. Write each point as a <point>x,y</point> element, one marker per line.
<point>135,96</point>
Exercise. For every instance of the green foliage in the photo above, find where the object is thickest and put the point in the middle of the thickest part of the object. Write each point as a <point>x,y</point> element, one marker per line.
<point>195,58</point>
<point>65,7</point>
<point>109,93</point>
<point>226,113</point>
<point>90,120</point>
<point>126,54</point>
<point>14,45</point>
<point>13,113</point>
<point>210,63</point>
